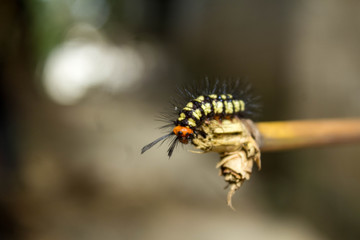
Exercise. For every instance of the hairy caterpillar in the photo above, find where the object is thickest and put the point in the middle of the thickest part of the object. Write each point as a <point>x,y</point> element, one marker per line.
<point>226,100</point>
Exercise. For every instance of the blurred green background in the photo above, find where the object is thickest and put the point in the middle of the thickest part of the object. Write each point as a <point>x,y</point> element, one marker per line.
<point>82,82</point>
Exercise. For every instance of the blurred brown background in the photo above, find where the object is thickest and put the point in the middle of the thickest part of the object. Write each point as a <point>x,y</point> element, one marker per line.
<point>81,84</point>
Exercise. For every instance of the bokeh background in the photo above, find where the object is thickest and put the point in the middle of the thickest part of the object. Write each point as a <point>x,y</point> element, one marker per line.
<point>83,80</point>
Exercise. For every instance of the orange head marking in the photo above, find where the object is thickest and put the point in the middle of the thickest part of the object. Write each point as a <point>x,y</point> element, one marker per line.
<point>183,133</point>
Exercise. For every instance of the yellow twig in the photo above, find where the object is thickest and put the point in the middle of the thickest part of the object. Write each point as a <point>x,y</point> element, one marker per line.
<point>300,134</point>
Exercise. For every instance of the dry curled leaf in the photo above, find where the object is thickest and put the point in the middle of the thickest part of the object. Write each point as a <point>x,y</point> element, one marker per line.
<point>237,142</point>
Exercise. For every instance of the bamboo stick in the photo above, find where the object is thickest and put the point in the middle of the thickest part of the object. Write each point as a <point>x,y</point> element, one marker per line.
<point>300,134</point>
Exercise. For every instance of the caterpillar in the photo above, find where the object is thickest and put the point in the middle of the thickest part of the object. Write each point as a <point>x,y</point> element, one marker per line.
<point>215,100</point>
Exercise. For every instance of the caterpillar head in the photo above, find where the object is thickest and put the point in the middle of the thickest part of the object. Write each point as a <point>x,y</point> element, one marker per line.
<point>182,134</point>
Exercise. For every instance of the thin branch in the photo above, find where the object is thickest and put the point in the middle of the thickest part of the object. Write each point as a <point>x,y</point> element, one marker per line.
<point>300,134</point>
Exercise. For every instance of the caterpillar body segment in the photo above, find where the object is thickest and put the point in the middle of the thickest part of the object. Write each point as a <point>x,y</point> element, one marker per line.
<point>206,107</point>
